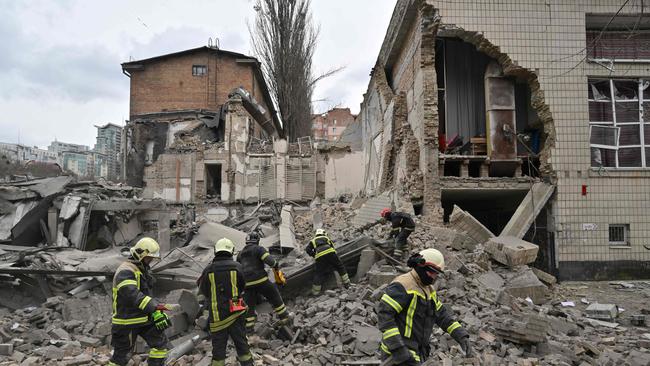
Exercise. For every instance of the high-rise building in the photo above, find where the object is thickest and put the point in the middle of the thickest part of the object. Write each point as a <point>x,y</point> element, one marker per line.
<point>109,144</point>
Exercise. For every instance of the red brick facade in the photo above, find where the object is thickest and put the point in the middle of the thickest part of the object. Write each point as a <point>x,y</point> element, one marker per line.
<point>330,125</point>
<point>167,83</point>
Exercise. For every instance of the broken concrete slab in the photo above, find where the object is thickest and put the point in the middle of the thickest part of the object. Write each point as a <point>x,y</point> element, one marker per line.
<point>48,186</point>
<point>528,210</point>
<point>210,232</point>
<point>491,280</point>
<point>70,207</point>
<point>526,285</point>
<point>464,222</point>
<point>511,251</point>
<point>529,329</point>
<point>369,212</point>
<point>217,214</point>
<point>127,231</point>
<point>547,278</point>
<point>602,311</point>
<point>75,233</point>
<point>287,230</point>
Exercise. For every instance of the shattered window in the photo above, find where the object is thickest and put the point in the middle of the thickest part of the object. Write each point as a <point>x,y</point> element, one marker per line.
<point>199,70</point>
<point>618,135</point>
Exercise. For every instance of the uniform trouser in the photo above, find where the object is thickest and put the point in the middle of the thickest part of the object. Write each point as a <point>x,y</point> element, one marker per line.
<point>411,362</point>
<point>123,340</point>
<point>324,265</point>
<point>270,291</point>
<point>400,241</point>
<point>236,331</point>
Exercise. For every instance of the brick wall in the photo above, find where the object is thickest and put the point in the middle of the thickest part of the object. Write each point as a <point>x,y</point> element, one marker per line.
<point>168,83</point>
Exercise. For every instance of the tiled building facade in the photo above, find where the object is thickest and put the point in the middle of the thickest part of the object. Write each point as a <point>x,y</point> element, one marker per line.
<point>597,222</point>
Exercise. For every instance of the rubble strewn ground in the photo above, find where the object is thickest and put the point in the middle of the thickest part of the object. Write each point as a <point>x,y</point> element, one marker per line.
<point>515,315</point>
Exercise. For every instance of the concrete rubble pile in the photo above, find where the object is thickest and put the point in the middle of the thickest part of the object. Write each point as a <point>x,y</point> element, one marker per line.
<point>515,314</point>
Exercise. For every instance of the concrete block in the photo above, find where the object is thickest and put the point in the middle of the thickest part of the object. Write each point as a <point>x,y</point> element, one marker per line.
<point>602,311</point>
<point>491,280</point>
<point>378,278</point>
<point>368,258</point>
<point>6,349</point>
<point>466,223</point>
<point>88,341</point>
<point>511,251</point>
<point>547,278</point>
<point>529,329</point>
<point>526,284</point>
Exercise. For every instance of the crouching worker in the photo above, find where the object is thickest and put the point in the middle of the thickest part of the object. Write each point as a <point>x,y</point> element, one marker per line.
<point>222,283</point>
<point>410,307</point>
<point>135,312</point>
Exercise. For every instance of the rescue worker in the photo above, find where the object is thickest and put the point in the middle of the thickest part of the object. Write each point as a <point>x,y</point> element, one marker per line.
<point>222,283</point>
<point>135,312</point>
<point>402,226</point>
<point>322,249</point>
<point>252,258</point>
<point>409,308</point>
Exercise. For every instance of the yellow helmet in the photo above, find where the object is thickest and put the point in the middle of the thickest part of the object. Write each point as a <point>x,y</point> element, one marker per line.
<point>224,245</point>
<point>434,257</point>
<point>145,247</point>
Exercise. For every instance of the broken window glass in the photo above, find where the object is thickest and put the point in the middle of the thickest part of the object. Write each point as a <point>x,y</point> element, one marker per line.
<point>599,90</point>
<point>626,89</point>
<point>600,112</point>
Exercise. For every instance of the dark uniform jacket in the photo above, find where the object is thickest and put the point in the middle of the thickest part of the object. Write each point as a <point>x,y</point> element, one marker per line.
<point>406,314</point>
<point>401,220</point>
<point>132,290</point>
<point>252,258</point>
<point>221,282</point>
<point>320,246</point>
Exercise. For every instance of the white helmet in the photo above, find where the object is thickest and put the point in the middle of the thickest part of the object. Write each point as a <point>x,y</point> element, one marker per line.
<point>224,245</point>
<point>320,232</point>
<point>145,247</point>
<point>434,257</point>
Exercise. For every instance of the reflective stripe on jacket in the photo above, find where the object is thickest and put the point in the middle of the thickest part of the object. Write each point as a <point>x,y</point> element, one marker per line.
<point>320,246</point>
<point>252,258</point>
<point>221,282</point>
<point>132,290</point>
<point>406,314</point>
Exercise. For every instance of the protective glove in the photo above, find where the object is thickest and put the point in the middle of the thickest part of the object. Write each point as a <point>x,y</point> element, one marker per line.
<point>161,320</point>
<point>466,345</point>
<point>402,355</point>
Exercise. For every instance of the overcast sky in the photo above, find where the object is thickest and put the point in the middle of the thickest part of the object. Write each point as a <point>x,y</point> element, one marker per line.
<point>60,62</point>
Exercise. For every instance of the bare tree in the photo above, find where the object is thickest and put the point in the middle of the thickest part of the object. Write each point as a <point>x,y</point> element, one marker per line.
<point>284,40</point>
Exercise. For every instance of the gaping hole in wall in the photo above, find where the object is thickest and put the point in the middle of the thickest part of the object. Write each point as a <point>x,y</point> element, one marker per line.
<point>213,180</point>
<point>100,235</point>
<point>492,207</point>
<point>484,114</point>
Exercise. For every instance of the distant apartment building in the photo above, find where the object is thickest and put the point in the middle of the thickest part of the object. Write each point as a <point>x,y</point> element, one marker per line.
<point>330,125</point>
<point>58,147</point>
<point>19,152</point>
<point>85,164</point>
<point>109,145</point>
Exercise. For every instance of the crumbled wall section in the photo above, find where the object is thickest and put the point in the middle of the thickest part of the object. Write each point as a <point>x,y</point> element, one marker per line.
<point>510,68</point>
<point>388,158</point>
<point>432,206</point>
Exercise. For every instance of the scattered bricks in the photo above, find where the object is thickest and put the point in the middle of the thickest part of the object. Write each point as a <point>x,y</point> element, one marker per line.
<point>89,341</point>
<point>525,284</point>
<point>487,336</point>
<point>31,361</point>
<point>82,359</point>
<point>17,356</point>
<point>511,251</point>
<point>602,311</point>
<point>6,349</point>
<point>59,333</point>
<point>530,330</point>
<point>53,302</point>
<point>547,278</point>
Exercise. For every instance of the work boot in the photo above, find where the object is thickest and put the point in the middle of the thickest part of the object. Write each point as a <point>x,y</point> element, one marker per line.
<point>315,290</point>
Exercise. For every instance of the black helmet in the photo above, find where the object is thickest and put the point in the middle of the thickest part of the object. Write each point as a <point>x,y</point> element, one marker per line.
<point>253,238</point>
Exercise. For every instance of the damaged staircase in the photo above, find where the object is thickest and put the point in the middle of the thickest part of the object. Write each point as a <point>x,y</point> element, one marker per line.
<point>528,210</point>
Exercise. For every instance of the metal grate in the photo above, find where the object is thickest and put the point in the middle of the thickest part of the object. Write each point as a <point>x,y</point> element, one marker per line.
<point>618,234</point>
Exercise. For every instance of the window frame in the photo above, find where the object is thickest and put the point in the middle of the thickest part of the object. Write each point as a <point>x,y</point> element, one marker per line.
<point>626,235</point>
<point>195,69</point>
<point>641,98</point>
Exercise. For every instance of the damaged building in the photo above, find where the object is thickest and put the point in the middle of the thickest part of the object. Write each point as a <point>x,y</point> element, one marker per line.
<point>203,129</point>
<point>512,122</point>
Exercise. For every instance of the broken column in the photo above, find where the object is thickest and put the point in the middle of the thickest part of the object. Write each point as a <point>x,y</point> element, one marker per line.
<point>511,251</point>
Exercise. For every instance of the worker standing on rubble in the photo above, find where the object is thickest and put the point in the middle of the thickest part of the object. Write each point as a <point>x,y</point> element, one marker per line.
<point>402,226</point>
<point>222,284</point>
<point>252,258</point>
<point>322,249</point>
<point>408,309</point>
<point>135,312</point>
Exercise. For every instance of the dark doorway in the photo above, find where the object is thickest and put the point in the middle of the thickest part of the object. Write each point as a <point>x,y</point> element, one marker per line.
<point>492,207</point>
<point>213,180</point>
